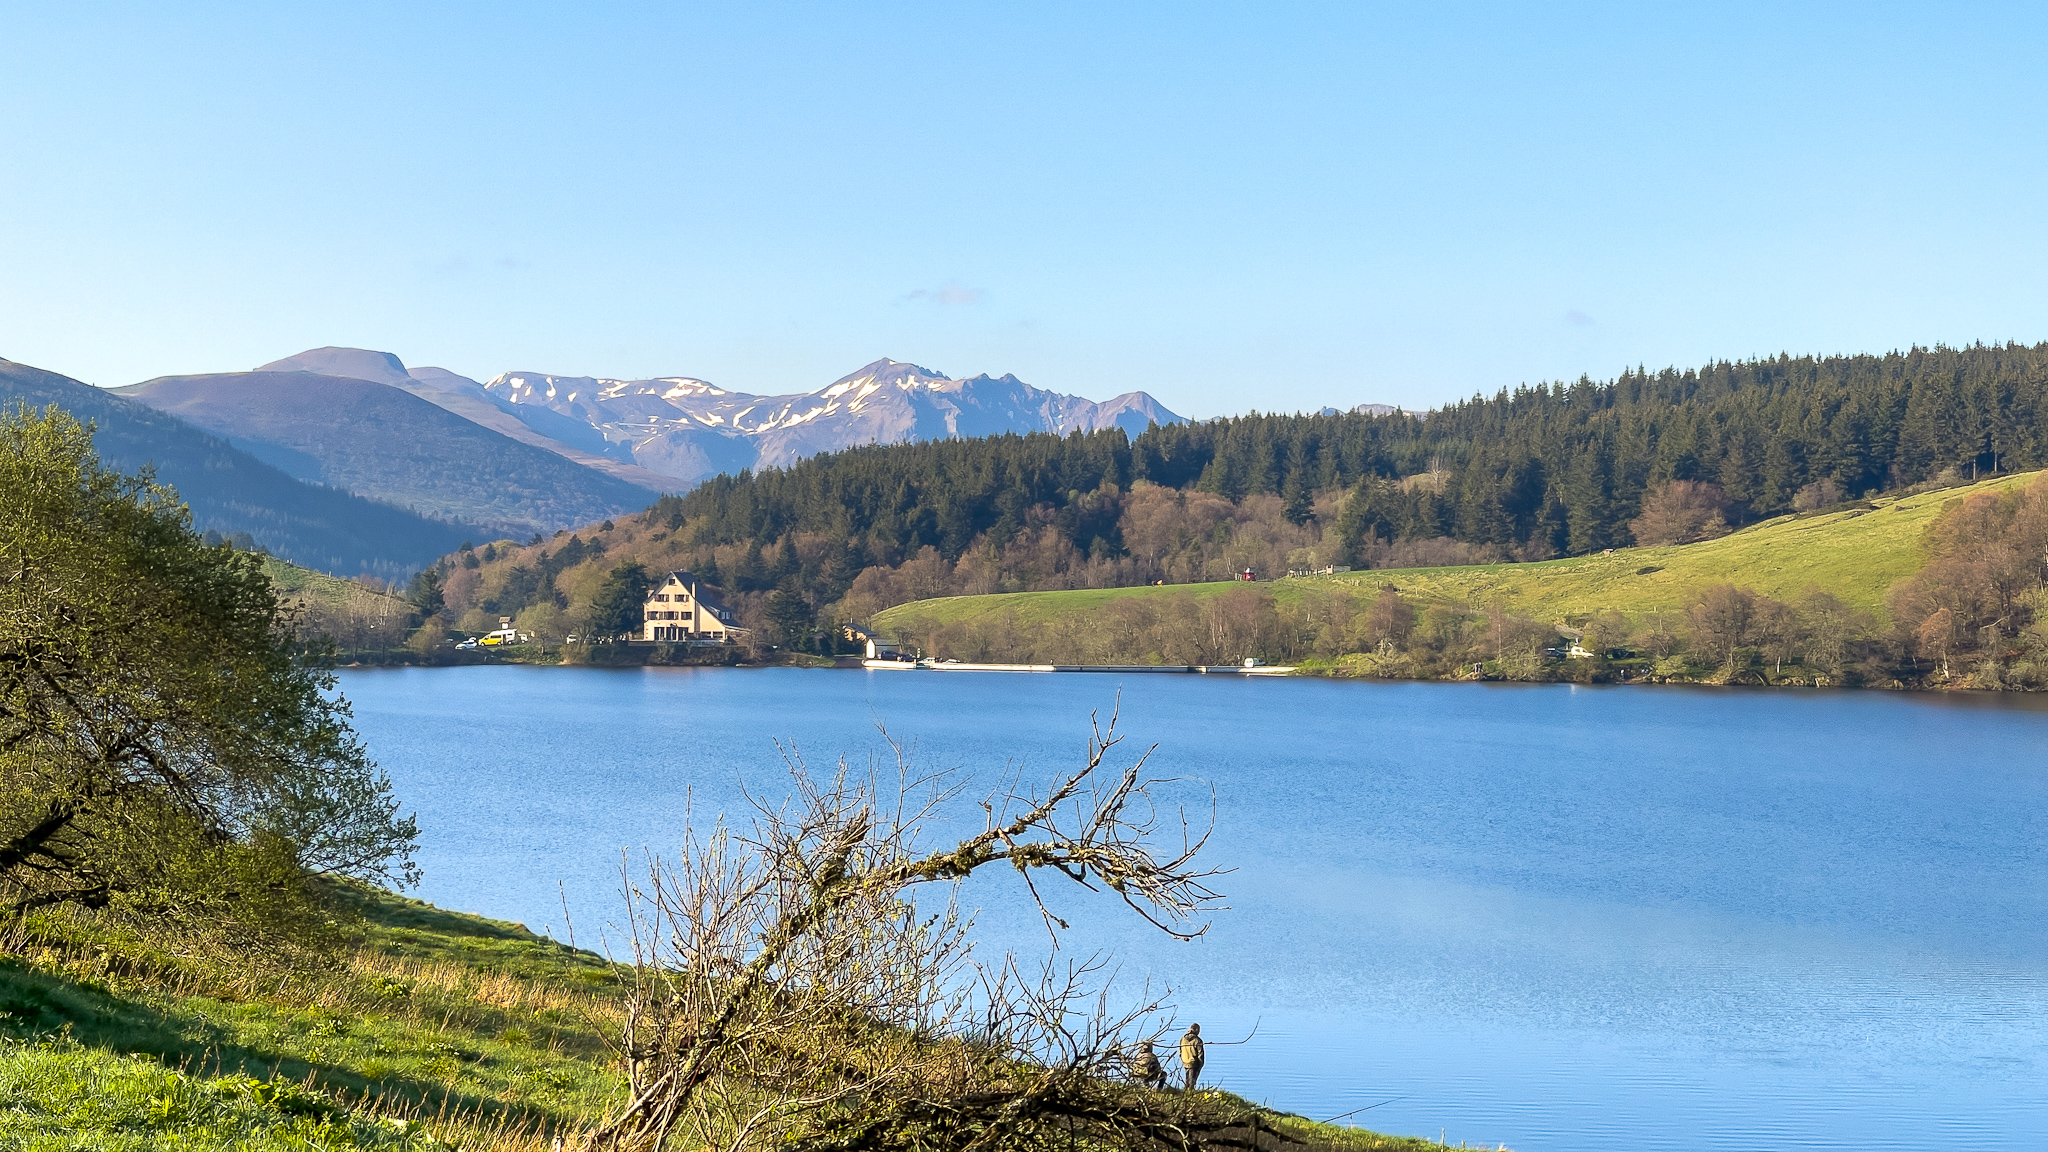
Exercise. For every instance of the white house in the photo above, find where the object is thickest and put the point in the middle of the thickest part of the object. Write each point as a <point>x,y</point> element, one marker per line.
<point>875,648</point>
<point>683,608</point>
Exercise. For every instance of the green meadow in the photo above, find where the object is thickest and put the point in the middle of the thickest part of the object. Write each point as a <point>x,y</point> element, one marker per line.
<point>1856,551</point>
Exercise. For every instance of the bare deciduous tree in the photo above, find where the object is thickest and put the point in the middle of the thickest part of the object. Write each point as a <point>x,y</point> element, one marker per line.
<point>787,992</point>
<point>1679,513</point>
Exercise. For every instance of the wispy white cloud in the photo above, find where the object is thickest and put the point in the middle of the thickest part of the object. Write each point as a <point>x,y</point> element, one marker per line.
<point>950,294</point>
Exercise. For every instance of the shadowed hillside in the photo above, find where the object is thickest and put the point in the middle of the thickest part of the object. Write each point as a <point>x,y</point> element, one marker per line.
<point>383,442</point>
<point>233,493</point>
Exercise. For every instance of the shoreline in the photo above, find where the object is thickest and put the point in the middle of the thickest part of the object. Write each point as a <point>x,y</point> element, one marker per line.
<point>1750,679</point>
<point>1182,669</point>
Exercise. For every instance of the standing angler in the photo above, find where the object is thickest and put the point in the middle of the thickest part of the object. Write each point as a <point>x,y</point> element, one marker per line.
<point>1191,1054</point>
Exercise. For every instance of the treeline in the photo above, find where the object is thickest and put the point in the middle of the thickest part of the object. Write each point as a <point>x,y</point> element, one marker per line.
<point>1976,616</point>
<point>1972,617</point>
<point>1726,634</point>
<point>796,590</point>
<point>1567,469</point>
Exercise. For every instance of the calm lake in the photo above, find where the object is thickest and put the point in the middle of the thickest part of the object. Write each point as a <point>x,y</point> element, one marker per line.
<point>1554,917</point>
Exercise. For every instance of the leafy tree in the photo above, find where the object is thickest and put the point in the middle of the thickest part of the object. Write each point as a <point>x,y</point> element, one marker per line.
<point>1300,502</point>
<point>787,565</point>
<point>620,601</point>
<point>1390,620</point>
<point>1722,621</point>
<point>166,744</point>
<point>1605,631</point>
<point>1985,570</point>
<point>1822,493</point>
<point>753,572</point>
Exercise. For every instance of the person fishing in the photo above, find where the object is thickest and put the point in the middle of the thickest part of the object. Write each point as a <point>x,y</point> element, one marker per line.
<point>1191,1054</point>
<point>1146,1067</point>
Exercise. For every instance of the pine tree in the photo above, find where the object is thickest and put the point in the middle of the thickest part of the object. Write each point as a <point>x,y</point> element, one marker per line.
<point>752,575</point>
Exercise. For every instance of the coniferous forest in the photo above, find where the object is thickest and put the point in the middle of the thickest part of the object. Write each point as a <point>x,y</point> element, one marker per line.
<point>1533,473</point>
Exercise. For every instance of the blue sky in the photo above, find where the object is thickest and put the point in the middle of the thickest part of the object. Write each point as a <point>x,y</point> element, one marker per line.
<point>1232,207</point>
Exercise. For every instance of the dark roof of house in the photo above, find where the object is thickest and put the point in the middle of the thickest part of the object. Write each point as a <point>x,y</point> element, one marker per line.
<point>705,594</point>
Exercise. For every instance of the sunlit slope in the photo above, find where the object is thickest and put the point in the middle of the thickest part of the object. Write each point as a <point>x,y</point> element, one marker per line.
<point>1857,553</point>
<point>330,591</point>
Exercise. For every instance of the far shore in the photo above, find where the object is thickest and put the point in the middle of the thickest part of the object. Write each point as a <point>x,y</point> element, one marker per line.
<point>1559,671</point>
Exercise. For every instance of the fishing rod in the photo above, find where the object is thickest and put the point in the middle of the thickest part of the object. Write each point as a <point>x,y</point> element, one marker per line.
<point>1235,1043</point>
<point>1354,1112</point>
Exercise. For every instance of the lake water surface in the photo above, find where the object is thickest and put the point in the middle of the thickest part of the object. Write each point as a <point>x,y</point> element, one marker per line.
<point>1555,917</point>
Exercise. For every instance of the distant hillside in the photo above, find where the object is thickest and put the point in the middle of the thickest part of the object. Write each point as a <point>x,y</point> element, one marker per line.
<point>322,589</point>
<point>232,492</point>
<point>468,399</point>
<point>1855,554</point>
<point>383,442</point>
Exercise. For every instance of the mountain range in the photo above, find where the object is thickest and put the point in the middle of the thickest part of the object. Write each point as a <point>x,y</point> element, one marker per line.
<point>532,452</point>
<point>347,460</point>
<point>690,429</point>
<point>236,494</point>
<point>667,433</point>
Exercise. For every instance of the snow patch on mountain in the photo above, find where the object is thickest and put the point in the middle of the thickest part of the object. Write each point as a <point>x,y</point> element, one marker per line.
<point>691,429</point>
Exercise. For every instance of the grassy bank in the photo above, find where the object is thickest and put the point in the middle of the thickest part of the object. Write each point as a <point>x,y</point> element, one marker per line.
<point>1857,552</point>
<point>428,1029</point>
<point>423,1026</point>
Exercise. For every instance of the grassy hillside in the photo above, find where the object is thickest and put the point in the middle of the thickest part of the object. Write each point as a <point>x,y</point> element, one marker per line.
<point>426,1025</point>
<point>432,1029</point>
<point>322,589</point>
<point>1856,552</point>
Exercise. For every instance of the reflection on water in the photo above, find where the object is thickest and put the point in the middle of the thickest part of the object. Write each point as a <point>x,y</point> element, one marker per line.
<point>1562,918</point>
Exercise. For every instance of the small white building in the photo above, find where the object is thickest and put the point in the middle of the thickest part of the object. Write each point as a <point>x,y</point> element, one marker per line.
<point>874,647</point>
<point>682,608</point>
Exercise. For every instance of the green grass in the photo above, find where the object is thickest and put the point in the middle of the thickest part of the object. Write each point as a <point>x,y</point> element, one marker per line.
<point>328,591</point>
<point>471,1026</point>
<point>1856,552</point>
<point>431,1029</point>
<point>69,1096</point>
